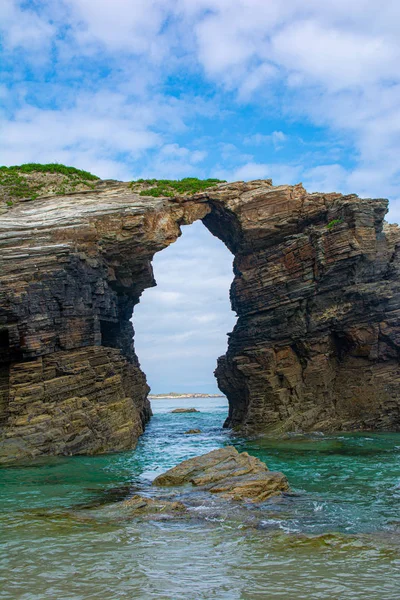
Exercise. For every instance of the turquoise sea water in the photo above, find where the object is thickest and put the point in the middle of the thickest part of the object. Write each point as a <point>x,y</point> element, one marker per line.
<point>337,535</point>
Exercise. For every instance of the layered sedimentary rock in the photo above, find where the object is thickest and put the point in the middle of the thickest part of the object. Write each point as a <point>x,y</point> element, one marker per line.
<point>71,270</point>
<point>227,473</point>
<point>316,290</point>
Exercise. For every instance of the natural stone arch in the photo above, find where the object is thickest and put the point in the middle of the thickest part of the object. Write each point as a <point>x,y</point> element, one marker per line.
<point>316,291</point>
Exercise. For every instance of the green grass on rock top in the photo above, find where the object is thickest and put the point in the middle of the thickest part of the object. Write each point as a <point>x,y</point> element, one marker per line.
<point>31,180</point>
<point>50,168</point>
<point>174,187</point>
<point>27,182</point>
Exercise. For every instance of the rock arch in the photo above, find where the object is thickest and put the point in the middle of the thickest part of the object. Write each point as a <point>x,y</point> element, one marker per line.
<point>316,290</point>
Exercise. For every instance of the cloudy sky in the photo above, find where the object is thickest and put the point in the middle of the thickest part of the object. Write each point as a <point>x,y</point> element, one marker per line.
<point>181,324</point>
<point>237,89</point>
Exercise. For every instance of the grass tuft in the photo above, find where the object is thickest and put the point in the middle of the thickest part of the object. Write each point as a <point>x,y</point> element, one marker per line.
<point>333,223</point>
<point>174,187</point>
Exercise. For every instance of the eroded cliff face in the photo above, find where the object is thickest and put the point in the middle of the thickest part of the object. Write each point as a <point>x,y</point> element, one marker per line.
<point>316,345</point>
<point>71,270</point>
<point>317,291</point>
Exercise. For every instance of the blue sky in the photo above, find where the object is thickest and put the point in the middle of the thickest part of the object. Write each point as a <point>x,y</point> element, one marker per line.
<point>237,89</point>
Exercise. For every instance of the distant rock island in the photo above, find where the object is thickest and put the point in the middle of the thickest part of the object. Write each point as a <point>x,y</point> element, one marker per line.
<point>174,395</point>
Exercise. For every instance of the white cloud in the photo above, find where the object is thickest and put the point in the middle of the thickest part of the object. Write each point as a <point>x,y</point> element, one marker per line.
<point>206,318</point>
<point>24,28</point>
<point>276,138</point>
<point>97,129</point>
<point>335,57</point>
<point>279,173</point>
<point>86,137</point>
<point>169,297</point>
<point>179,152</point>
<point>121,25</point>
<point>325,178</point>
<point>181,324</point>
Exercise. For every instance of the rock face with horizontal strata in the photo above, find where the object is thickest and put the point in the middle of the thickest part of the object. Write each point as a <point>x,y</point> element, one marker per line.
<point>316,290</point>
<point>89,400</point>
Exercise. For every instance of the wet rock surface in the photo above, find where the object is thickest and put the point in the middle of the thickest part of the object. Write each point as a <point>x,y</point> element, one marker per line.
<point>233,475</point>
<point>316,290</point>
<point>218,486</point>
<point>192,431</point>
<point>185,410</point>
<point>141,505</point>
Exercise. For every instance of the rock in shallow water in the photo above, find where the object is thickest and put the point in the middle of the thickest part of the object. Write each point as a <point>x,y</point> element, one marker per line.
<point>185,410</point>
<point>229,474</point>
<point>142,505</point>
<point>192,431</point>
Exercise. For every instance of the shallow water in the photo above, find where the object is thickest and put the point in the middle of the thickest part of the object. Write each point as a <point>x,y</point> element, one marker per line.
<point>336,537</point>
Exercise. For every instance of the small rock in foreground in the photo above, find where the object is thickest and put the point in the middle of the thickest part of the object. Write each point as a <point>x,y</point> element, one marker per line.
<point>140,504</point>
<point>229,474</point>
<point>192,431</point>
<point>184,410</point>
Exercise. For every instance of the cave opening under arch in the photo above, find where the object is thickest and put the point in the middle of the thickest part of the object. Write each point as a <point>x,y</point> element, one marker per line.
<point>181,324</point>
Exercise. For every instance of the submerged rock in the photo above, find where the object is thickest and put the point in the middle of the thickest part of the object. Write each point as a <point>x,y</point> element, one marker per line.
<point>135,507</point>
<point>192,431</point>
<point>185,410</point>
<point>141,505</point>
<point>227,473</point>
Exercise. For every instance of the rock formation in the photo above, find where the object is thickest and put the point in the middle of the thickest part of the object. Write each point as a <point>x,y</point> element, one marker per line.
<point>227,473</point>
<point>316,290</point>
